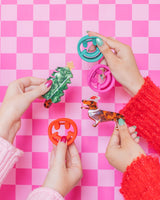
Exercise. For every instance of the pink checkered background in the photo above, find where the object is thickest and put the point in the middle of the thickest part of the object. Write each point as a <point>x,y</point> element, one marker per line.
<point>39,35</point>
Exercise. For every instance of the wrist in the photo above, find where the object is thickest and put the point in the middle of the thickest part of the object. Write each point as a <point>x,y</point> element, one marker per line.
<point>135,87</point>
<point>5,127</point>
<point>4,132</point>
<point>53,187</point>
<point>51,191</point>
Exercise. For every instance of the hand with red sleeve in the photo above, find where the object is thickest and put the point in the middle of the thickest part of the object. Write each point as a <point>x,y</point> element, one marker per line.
<point>141,173</point>
<point>143,109</point>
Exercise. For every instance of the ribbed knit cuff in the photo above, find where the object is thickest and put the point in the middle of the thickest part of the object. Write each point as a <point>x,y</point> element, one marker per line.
<point>143,110</point>
<point>141,180</point>
<point>44,193</point>
<point>8,157</point>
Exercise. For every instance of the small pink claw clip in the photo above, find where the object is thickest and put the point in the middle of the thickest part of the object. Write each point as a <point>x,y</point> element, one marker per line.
<point>100,78</point>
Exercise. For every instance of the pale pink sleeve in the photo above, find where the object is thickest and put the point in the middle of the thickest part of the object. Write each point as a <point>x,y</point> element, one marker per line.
<point>8,157</point>
<point>42,193</point>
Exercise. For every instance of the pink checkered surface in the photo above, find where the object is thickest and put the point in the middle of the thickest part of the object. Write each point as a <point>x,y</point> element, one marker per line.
<point>39,35</point>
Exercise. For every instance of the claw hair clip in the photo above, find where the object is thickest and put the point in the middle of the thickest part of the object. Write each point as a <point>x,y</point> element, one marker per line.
<point>100,78</point>
<point>83,49</point>
<point>99,115</point>
<point>60,78</point>
<point>69,125</point>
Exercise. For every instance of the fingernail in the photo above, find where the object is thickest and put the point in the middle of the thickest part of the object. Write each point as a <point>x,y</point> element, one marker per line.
<point>63,139</point>
<point>87,31</point>
<point>134,127</point>
<point>99,41</point>
<point>135,132</point>
<point>48,83</point>
<point>121,122</point>
<point>138,137</point>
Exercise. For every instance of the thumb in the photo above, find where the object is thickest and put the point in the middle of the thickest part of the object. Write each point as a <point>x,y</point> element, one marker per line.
<point>39,90</point>
<point>112,43</point>
<point>106,51</point>
<point>60,156</point>
<point>124,132</point>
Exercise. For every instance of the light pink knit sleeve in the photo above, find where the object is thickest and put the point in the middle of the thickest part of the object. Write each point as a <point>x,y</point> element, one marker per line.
<point>8,157</point>
<point>42,193</point>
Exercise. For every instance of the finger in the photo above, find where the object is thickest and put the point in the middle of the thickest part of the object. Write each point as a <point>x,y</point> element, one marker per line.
<point>28,81</point>
<point>112,43</point>
<point>134,135</point>
<point>137,139</point>
<point>74,156</point>
<point>22,83</point>
<point>28,89</point>
<point>115,139</point>
<point>104,62</point>
<point>106,51</point>
<point>132,129</point>
<point>92,48</point>
<point>52,156</point>
<point>38,91</point>
<point>61,150</point>
<point>124,132</point>
<point>68,160</point>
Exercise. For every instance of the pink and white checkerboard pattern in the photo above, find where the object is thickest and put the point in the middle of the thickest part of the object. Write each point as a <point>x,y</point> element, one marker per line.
<point>37,36</point>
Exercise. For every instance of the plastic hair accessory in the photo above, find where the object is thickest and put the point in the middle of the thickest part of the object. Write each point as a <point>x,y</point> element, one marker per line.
<point>69,124</point>
<point>60,77</point>
<point>100,78</point>
<point>83,47</point>
<point>99,115</point>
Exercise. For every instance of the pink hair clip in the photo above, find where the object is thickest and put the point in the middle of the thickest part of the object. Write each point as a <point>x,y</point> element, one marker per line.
<point>100,78</point>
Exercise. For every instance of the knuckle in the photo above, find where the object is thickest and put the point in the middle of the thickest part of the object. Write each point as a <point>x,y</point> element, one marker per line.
<point>123,128</point>
<point>105,48</point>
<point>12,84</point>
<point>41,90</point>
<point>129,49</point>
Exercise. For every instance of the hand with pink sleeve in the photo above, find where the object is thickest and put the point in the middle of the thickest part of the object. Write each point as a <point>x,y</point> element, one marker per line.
<point>19,95</point>
<point>64,173</point>
<point>65,168</point>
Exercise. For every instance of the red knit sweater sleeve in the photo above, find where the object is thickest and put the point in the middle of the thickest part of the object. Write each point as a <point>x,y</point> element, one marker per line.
<point>143,110</point>
<point>141,181</point>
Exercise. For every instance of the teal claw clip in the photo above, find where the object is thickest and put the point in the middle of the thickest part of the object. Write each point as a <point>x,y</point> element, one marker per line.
<point>84,54</point>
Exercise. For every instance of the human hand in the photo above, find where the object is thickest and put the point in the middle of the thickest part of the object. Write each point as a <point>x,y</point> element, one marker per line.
<point>65,168</point>
<point>120,59</point>
<point>19,95</point>
<point>123,149</point>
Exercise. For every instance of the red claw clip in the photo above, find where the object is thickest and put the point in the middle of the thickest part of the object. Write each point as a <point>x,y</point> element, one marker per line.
<point>68,124</point>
